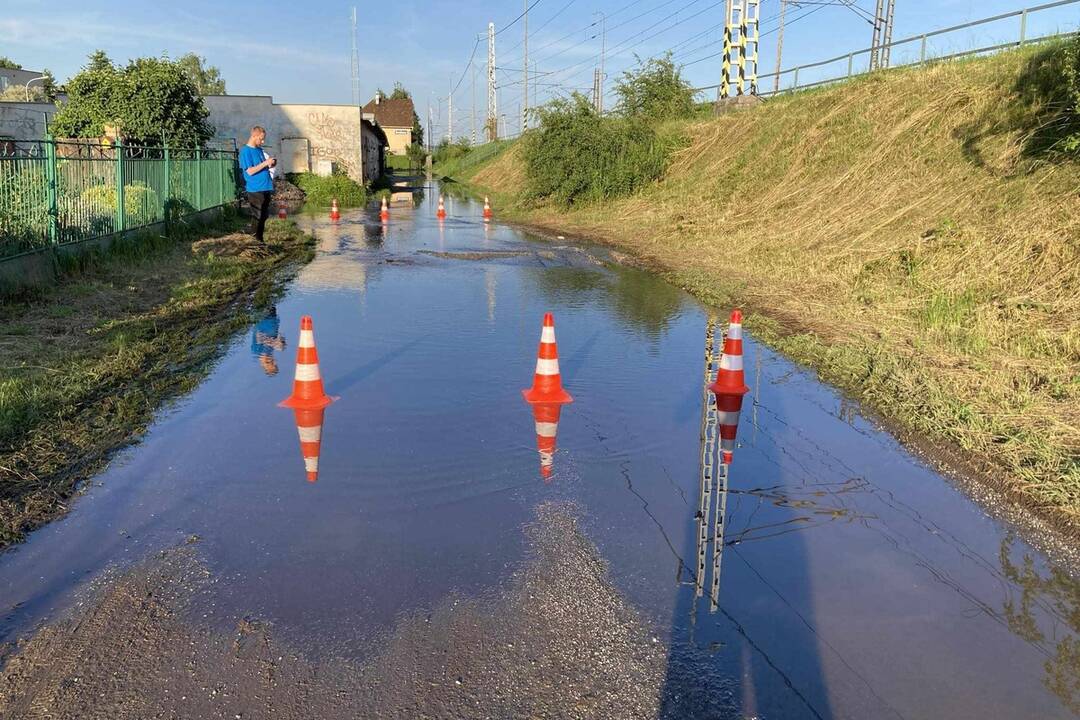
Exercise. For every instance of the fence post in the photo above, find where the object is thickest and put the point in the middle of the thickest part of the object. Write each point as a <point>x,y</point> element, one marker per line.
<point>198,179</point>
<point>922,51</point>
<point>167,195</point>
<point>50,189</point>
<point>1023,26</point>
<point>121,214</point>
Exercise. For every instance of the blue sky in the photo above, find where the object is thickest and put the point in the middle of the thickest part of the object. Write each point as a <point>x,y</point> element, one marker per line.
<point>300,52</point>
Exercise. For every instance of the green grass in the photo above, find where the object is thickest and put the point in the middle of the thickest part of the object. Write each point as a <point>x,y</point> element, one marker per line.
<point>910,234</point>
<point>75,386</point>
<point>322,191</point>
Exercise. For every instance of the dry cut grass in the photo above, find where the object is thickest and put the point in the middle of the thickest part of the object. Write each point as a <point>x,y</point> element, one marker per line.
<point>913,232</point>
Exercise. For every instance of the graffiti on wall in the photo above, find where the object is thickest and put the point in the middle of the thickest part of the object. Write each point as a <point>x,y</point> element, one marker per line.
<point>332,139</point>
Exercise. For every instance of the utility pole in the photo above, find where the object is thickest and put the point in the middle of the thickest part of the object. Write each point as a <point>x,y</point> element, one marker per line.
<point>741,40</point>
<point>357,101</point>
<point>780,45</point>
<point>603,53</point>
<point>525,69</point>
<point>875,44</point>
<point>473,138</point>
<point>355,63</point>
<point>492,124</point>
<point>450,112</point>
<point>886,50</point>
<point>596,89</point>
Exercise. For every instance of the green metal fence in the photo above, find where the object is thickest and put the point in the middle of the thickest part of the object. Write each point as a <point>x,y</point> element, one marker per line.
<point>57,192</point>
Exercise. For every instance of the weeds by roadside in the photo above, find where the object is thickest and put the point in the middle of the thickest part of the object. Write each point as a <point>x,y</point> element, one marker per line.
<point>86,363</point>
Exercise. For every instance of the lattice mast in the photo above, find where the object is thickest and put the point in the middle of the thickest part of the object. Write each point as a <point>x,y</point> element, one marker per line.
<point>492,124</point>
<point>742,37</point>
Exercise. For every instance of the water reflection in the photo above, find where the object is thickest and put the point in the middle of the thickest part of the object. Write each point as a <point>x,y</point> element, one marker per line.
<point>309,426</point>
<point>266,337</point>
<point>546,419</point>
<point>633,295</point>
<point>1050,593</point>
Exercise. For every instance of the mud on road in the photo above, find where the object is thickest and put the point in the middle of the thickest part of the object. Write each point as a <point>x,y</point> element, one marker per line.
<point>557,641</point>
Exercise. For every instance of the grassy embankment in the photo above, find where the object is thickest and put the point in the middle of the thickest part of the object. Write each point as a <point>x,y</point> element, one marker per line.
<point>87,362</point>
<point>912,235</point>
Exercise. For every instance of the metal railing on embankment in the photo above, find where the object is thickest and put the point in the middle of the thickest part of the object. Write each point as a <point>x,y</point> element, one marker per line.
<point>921,50</point>
<point>58,192</point>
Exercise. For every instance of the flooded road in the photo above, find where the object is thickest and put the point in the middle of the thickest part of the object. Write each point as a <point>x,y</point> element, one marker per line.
<point>855,580</point>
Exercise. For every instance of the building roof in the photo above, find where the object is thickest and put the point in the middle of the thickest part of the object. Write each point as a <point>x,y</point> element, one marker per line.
<point>392,113</point>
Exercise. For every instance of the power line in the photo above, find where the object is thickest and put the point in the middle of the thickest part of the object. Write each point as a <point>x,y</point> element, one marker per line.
<point>544,25</point>
<point>514,21</point>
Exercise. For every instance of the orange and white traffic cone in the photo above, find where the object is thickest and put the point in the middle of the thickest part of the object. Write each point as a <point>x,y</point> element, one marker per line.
<point>441,212</point>
<point>547,382</point>
<point>335,213</point>
<point>546,417</point>
<point>309,424</point>
<point>384,212</point>
<point>308,392</point>
<point>488,214</point>
<point>281,212</point>
<point>730,387</point>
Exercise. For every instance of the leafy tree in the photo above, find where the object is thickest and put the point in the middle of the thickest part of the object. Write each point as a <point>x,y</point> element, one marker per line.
<point>148,100</point>
<point>8,64</point>
<point>400,93</point>
<point>655,90</point>
<point>576,155</point>
<point>207,78</point>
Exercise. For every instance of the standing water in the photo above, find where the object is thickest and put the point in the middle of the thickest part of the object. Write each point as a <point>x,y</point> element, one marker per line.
<point>854,580</point>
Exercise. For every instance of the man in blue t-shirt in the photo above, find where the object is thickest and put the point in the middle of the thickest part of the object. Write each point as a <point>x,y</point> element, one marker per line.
<point>258,182</point>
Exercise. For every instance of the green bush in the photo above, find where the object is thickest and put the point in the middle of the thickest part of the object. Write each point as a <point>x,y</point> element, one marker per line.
<point>142,205</point>
<point>655,91</point>
<point>322,190</point>
<point>24,209</point>
<point>1072,78</point>
<point>578,156</point>
<point>447,151</point>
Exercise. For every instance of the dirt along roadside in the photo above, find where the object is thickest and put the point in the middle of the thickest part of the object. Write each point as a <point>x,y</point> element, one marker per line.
<point>556,641</point>
<point>87,363</point>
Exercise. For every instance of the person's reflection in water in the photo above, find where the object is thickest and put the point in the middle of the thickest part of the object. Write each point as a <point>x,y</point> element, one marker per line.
<point>266,337</point>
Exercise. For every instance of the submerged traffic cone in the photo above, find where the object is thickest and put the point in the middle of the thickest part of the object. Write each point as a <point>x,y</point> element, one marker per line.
<point>547,382</point>
<point>281,212</point>
<point>308,390</point>
<point>730,387</point>
<point>309,424</point>
<point>441,212</point>
<point>335,214</point>
<point>546,417</point>
<point>488,214</point>
<point>384,212</point>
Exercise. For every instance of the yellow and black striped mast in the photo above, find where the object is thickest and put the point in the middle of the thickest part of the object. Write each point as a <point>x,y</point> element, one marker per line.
<point>741,39</point>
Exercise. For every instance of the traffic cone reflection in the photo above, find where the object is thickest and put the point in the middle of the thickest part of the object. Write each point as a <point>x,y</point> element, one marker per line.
<point>309,425</point>
<point>730,387</point>
<point>547,382</point>
<point>441,212</point>
<point>384,212</point>
<point>335,213</point>
<point>488,214</point>
<point>546,417</point>
<point>281,212</point>
<point>308,392</point>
